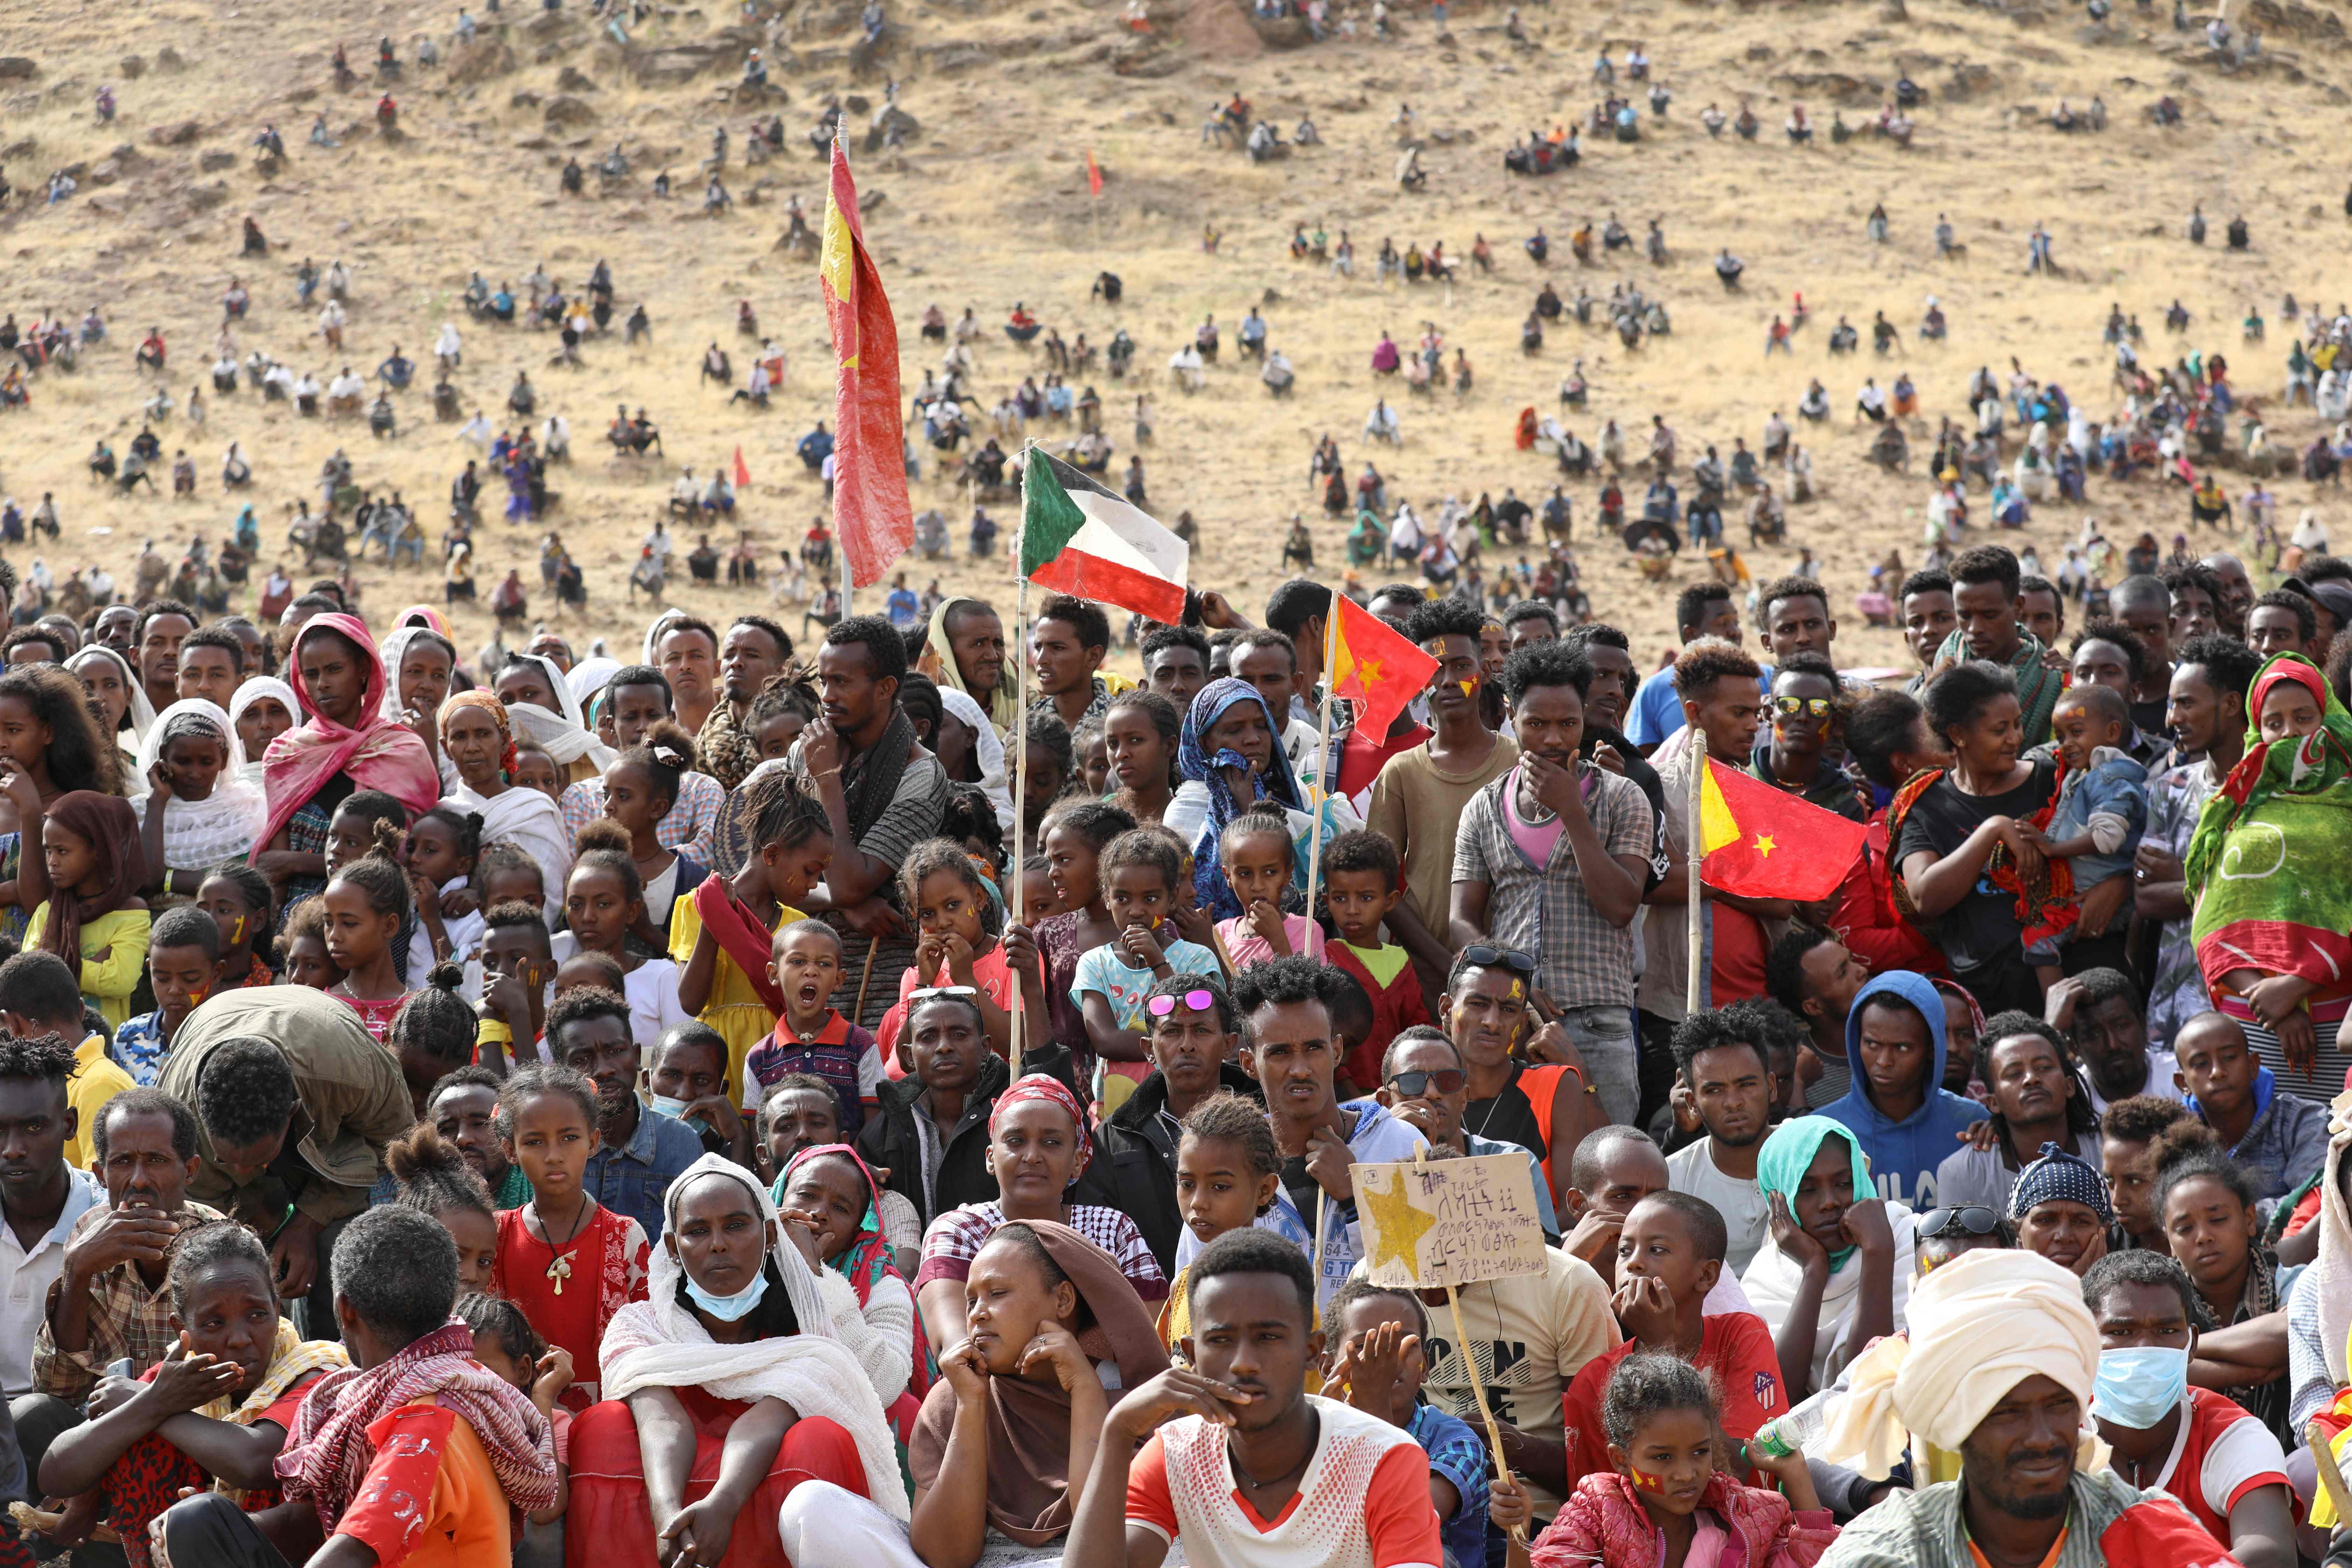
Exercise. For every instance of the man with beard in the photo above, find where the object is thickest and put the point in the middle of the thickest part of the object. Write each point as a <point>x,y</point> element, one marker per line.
<point>1728,1074</point>
<point>2237,591</point>
<point>881,791</point>
<point>2037,1102</point>
<point>1422,1082</point>
<point>2098,1011</point>
<point>1999,1366</point>
<point>966,654</point>
<point>2207,716</point>
<point>754,652</point>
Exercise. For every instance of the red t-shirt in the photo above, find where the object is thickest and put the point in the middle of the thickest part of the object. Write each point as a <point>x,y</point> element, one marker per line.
<point>1397,1004</point>
<point>1361,758</point>
<point>1738,971</point>
<point>2222,1453</point>
<point>1736,1347</point>
<point>1399,1522</point>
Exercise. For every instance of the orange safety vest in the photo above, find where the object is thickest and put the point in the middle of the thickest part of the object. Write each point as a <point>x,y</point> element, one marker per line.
<point>1540,1084</point>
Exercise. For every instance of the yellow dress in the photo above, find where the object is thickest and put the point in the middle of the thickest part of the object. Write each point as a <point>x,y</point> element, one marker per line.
<point>108,982</point>
<point>734,1009</point>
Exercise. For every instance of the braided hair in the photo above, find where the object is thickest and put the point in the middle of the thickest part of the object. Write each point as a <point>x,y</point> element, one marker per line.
<point>377,873</point>
<point>783,814</point>
<point>666,754</point>
<point>431,1177</point>
<point>436,1021</point>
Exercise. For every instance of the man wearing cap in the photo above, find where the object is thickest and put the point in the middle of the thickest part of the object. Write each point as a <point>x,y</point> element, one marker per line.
<point>2001,1361</point>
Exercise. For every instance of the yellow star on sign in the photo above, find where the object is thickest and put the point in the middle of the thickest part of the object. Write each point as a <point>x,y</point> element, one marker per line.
<point>1397,1226</point>
<point>1764,844</point>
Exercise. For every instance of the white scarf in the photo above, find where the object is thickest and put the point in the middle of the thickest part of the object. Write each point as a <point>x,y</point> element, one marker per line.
<point>140,714</point>
<point>588,679</point>
<point>392,650</point>
<point>561,735</point>
<point>254,689</point>
<point>657,1344</point>
<point>527,819</point>
<point>198,835</point>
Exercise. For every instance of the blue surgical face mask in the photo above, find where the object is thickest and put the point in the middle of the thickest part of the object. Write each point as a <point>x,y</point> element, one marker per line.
<point>2139,1386</point>
<point>674,1109</point>
<point>728,1309</point>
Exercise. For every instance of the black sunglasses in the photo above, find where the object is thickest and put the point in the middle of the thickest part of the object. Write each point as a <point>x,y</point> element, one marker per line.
<point>1483,955</point>
<point>1414,1085</point>
<point>1973,1219</point>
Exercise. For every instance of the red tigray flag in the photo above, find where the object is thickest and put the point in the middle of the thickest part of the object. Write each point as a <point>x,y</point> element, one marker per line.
<point>870,510</point>
<point>742,473</point>
<point>1094,174</point>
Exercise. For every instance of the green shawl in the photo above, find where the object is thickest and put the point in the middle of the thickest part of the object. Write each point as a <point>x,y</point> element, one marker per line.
<point>1790,1152</point>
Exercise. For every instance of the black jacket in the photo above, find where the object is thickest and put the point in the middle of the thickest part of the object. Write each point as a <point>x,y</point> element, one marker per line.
<point>889,1137</point>
<point>1134,1167</point>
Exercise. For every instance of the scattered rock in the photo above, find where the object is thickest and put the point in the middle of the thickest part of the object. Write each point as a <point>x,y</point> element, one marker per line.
<point>23,147</point>
<point>571,79</point>
<point>208,195</point>
<point>1967,81</point>
<point>133,66</point>
<point>569,111</point>
<point>106,206</point>
<point>105,172</point>
<point>523,99</point>
<point>858,103</point>
<point>1833,87</point>
<point>168,59</point>
<point>878,134</point>
<point>482,60</point>
<point>16,68</point>
<point>175,135</point>
<point>216,160</point>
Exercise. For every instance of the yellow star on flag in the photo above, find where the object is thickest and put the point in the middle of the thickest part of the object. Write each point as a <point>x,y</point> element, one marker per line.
<point>1397,1227</point>
<point>1369,671</point>
<point>1764,844</point>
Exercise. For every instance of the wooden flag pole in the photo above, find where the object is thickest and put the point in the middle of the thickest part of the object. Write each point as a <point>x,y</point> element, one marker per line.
<point>841,550</point>
<point>1322,757</point>
<point>1696,834</point>
<point>1470,1368</point>
<point>1017,732</point>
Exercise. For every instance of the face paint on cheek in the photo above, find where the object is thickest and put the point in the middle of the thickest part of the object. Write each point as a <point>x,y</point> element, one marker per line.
<point>1469,689</point>
<point>236,931</point>
<point>1644,1481</point>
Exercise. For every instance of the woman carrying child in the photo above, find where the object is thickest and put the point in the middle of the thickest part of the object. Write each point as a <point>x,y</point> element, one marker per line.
<point>200,809</point>
<point>212,1413</point>
<point>477,737</point>
<point>94,917</point>
<point>1663,1503</point>
<point>566,1259</point>
<point>1008,1434</point>
<point>728,1391</point>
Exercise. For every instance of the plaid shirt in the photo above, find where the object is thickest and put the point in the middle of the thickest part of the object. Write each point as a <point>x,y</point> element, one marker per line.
<point>956,1238</point>
<point>2176,798</point>
<point>126,1319</point>
<point>1581,959</point>
<point>688,826</point>
<point>1457,1453</point>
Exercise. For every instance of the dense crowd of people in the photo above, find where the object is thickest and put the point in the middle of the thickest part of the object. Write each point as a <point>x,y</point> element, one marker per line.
<point>736,1107</point>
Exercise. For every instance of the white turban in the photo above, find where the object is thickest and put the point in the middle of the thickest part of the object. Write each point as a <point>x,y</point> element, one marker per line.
<point>1980,1325</point>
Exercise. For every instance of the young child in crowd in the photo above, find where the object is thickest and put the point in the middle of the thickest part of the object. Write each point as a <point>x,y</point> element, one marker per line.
<point>1670,1253</point>
<point>1228,1176</point>
<point>519,967</point>
<point>605,908</point>
<point>237,897</point>
<point>687,1080</point>
<point>568,1261</point>
<point>1038,900</point>
<point>183,966</point>
<point>1374,1358</point>
<point>366,904</point>
<point>1141,731</point>
<point>960,918</point>
<point>505,1342</point>
<point>2102,804</point>
<point>1052,769</point>
<point>358,825</point>
<point>723,934</point>
<point>1259,863</point>
<point>1360,886</point>
<point>1075,834</point>
<point>1091,758</point>
<point>444,844</point>
<point>193,810</point>
<point>94,917</point>
<point>302,947</point>
<point>1141,872</point>
<point>801,1111</point>
<point>534,769</point>
<point>779,714</point>
<point>430,1176</point>
<point>811,1036</point>
<point>1663,1503</point>
<point>640,789</point>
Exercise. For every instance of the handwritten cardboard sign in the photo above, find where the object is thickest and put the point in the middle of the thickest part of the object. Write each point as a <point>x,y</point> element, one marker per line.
<point>1449,1222</point>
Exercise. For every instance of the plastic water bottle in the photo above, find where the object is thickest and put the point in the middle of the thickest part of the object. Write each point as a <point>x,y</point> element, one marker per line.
<point>1796,1431</point>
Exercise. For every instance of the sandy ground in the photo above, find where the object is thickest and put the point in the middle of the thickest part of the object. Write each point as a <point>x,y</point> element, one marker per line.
<point>990,206</point>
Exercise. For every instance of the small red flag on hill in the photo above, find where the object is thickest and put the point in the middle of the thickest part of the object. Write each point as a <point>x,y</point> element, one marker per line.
<point>1094,174</point>
<point>869,465</point>
<point>742,474</point>
<point>1762,843</point>
<point>1371,662</point>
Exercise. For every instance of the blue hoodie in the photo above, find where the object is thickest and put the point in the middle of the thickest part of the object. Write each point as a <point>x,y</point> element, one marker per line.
<point>1904,1154</point>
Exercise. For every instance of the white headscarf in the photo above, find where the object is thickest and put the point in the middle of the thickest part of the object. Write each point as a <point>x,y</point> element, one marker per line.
<point>254,689</point>
<point>392,649</point>
<point>561,735</point>
<point>587,680</point>
<point>140,714</point>
<point>200,834</point>
<point>662,623</point>
<point>659,1343</point>
<point>1982,1324</point>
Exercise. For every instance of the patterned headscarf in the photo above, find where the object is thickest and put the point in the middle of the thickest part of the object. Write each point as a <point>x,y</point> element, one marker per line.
<point>2060,1176</point>
<point>1038,1086</point>
<point>482,698</point>
<point>1278,784</point>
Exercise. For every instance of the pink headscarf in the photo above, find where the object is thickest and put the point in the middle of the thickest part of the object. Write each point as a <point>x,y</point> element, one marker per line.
<point>382,753</point>
<point>1038,1086</point>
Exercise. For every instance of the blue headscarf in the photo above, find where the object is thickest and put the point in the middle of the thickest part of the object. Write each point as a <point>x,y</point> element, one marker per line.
<point>1278,784</point>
